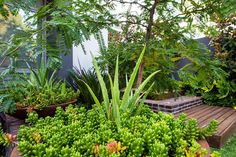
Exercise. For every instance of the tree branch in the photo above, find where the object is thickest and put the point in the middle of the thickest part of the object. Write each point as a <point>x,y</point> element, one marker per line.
<point>135,23</point>
<point>151,19</point>
<point>132,2</point>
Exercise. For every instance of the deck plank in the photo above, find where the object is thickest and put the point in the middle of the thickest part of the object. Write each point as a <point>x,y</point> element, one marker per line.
<point>221,112</point>
<point>205,119</point>
<point>227,123</point>
<point>225,116</point>
<point>200,113</point>
<point>192,110</point>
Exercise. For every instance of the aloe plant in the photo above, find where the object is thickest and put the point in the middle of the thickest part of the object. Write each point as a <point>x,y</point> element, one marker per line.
<point>116,106</point>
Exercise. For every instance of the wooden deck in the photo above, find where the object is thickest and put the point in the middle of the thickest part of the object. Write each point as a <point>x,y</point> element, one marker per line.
<point>225,116</point>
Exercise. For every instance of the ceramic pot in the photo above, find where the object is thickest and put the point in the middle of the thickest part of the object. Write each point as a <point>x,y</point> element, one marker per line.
<point>21,113</point>
<point>204,144</point>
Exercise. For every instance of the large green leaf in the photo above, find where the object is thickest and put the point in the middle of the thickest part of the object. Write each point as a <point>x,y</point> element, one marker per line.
<point>125,99</point>
<point>103,88</point>
<point>132,101</point>
<point>116,96</point>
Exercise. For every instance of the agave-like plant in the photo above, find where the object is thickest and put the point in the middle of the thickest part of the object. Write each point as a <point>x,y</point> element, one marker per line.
<point>116,106</point>
<point>79,76</point>
<point>41,77</point>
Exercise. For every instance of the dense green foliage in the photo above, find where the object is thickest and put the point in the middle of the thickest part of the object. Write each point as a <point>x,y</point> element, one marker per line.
<point>80,77</point>
<point>160,59</point>
<point>117,126</point>
<point>77,132</point>
<point>168,28</point>
<point>215,77</point>
<point>47,32</point>
<point>225,47</point>
<point>38,90</point>
<point>14,6</point>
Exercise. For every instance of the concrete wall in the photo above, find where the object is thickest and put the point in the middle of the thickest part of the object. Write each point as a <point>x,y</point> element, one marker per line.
<point>82,60</point>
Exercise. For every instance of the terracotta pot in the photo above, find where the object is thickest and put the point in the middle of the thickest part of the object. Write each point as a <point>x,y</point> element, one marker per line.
<point>21,113</point>
<point>15,152</point>
<point>204,144</point>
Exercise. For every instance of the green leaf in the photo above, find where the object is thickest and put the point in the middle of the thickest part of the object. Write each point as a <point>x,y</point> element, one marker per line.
<point>125,98</point>
<point>94,98</point>
<point>116,96</point>
<point>103,87</point>
<point>138,91</point>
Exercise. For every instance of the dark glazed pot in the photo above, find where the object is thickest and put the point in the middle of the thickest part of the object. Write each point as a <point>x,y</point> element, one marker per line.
<point>21,113</point>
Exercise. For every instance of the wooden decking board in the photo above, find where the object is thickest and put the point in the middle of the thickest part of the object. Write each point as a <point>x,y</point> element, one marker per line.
<point>226,123</point>
<point>202,113</point>
<point>189,111</point>
<point>227,134</point>
<point>216,116</point>
<point>210,116</point>
<point>196,110</point>
<point>198,113</point>
<point>225,116</point>
<point>227,128</point>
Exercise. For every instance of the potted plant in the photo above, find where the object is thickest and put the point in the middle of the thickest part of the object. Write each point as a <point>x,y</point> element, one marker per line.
<point>37,91</point>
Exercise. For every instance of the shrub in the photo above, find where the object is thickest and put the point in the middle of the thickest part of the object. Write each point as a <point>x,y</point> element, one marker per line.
<point>225,48</point>
<point>78,132</point>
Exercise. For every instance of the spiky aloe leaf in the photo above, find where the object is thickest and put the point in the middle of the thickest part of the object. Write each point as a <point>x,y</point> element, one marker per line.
<point>116,96</point>
<point>51,80</point>
<point>125,98</point>
<point>137,93</point>
<point>95,98</point>
<point>103,87</point>
<point>34,78</point>
<point>146,93</point>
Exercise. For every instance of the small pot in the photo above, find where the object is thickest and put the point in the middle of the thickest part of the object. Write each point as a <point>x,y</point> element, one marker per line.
<point>21,113</point>
<point>15,152</point>
<point>204,144</point>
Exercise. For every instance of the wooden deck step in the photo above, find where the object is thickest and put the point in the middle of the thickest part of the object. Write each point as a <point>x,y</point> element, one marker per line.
<point>225,116</point>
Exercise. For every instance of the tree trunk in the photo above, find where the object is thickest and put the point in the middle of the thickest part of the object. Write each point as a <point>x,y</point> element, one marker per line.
<point>148,36</point>
<point>140,75</point>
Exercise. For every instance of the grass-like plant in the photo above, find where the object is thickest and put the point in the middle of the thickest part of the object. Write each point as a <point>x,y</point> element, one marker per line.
<point>116,106</point>
<point>79,76</point>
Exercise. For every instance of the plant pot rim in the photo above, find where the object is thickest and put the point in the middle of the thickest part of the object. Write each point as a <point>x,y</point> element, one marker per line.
<point>49,106</point>
<point>21,113</point>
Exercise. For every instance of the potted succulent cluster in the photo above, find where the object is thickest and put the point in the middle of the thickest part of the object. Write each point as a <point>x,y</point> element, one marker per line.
<point>39,91</point>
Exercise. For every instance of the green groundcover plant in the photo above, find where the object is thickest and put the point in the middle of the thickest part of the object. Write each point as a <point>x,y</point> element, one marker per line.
<point>77,132</point>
